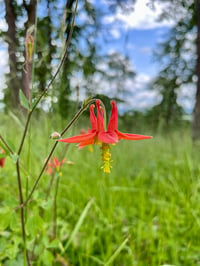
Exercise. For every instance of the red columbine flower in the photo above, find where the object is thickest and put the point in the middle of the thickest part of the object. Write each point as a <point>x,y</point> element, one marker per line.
<point>2,160</point>
<point>98,135</point>
<point>54,164</point>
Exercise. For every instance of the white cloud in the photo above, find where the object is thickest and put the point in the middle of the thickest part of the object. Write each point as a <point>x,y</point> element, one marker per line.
<point>3,67</point>
<point>141,17</point>
<point>3,24</point>
<point>115,33</point>
<point>141,97</point>
<point>186,96</point>
<point>4,60</point>
<point>146,50</point>
<point>140,82</point>
<point>144,100</point>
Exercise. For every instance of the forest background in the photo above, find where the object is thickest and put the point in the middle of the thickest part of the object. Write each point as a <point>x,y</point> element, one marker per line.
<point>96,66</point>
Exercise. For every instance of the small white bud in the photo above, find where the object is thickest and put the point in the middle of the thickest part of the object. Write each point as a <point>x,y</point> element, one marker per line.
<point>55,135</point>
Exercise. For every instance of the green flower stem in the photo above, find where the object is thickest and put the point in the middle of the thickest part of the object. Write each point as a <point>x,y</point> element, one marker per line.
<point>53,148</point>
<point>21,201</point>
<point>40,97</point>
<point>54,233</point>
<point>49,187</point>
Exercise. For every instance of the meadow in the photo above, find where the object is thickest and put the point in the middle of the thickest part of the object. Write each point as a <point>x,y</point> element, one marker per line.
<point>145,212</point>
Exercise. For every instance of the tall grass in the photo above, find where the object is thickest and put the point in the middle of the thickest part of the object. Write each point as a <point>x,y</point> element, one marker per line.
<point>146,212</point>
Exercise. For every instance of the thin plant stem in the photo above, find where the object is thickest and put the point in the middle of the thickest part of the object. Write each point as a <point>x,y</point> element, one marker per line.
<point>66,147</point>
<point>12,152</point>
<point>30,112</point>
<point>6,145</point>
<point>53,148</point>
<point>27,68</point>
<point>34,49</point>
<point>33,249</point>
<point>67,45</point>
<point>24,137</point>
<point>21,201</point>
<point>49,187</point>
<point>50,83</point>
<point>42,171</point>
<point>55,208</point>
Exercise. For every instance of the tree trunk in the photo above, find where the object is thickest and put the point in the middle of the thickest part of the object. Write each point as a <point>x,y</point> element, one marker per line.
<point>196,112</point>
<point>13,81</point>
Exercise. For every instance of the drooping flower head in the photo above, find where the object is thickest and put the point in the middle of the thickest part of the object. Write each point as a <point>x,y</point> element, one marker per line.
<point>2,158</point>
<point>99,135</point>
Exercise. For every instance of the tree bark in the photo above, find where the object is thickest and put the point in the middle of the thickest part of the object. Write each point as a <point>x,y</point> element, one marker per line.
<point>11,39</point>
<point>196,112</point>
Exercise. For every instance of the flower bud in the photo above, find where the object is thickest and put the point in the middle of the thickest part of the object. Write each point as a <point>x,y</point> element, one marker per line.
<point>55,135</point>
<point>29,47</point>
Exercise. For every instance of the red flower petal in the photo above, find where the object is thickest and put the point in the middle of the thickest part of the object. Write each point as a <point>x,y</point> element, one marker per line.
<point>56,162</point>
<point>113,122</point>
<point>2,162</point>
<point>79,138</point>
<point>85,143</point>
<point>128,136</point>
<point>93,119</point>
<point>108,137</point>
<point>100,119</point>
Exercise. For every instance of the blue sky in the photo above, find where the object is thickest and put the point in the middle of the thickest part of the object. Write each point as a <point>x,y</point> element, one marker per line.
<point>135,34</point>
<point>143,31</point>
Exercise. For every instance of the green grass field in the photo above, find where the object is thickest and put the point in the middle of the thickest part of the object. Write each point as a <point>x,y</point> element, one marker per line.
<point>146,212</point>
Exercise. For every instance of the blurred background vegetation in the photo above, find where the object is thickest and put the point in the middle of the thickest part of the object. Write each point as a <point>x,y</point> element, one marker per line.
<point>85,58</point>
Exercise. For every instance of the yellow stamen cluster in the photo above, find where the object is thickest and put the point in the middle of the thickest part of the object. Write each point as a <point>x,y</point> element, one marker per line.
<point>90,148</point>
<point>106,156</point>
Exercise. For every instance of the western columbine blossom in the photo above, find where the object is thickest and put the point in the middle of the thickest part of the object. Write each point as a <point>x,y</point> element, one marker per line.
<point>54,164</point>
<point>2,160</point>
<point>98,135</point>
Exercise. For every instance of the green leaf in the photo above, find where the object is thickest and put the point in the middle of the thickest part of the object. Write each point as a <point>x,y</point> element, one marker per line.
<point>12,249</point>
<point>3,155</point>
<point>54,244</point>
<point>46,257</point>
<point>23,100</point>
<point>15,224</point>
<point>34,224</point>
<point>5,214</point>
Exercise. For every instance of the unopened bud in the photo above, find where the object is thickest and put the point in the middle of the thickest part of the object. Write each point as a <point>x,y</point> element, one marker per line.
<point>86,101</point>
<point>55,135</point>
<point>29,47</point>
<point>70,163</point>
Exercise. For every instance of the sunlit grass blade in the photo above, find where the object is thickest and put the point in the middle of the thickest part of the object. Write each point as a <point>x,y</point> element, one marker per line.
<point>16,120</point>
<point>79,223</point>
<point>116,253</point>
<point>95,259</point>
